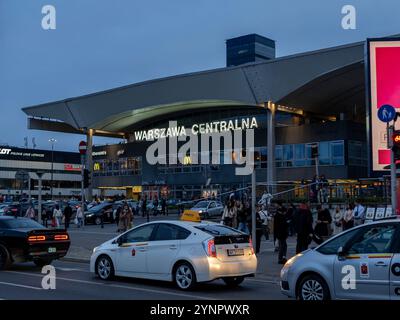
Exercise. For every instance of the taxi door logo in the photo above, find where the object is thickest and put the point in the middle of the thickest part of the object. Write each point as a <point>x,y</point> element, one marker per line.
<point>364,270</point>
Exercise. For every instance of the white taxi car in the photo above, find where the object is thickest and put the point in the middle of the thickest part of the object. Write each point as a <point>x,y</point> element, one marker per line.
<point>179,251</point>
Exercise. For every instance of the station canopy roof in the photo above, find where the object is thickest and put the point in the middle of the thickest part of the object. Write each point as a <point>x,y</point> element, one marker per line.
<point>324,82</point>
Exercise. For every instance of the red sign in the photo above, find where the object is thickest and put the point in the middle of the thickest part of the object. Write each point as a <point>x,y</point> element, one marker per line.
<point>82,147</point>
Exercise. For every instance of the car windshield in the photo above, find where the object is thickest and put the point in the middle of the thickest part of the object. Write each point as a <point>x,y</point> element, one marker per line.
<point>98,207</point>
<point>218,230</point>
<point>21,224</point>
<point>201,204</point>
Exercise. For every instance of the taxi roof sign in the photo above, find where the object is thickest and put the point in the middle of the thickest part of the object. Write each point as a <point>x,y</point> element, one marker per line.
<point>190,215</point>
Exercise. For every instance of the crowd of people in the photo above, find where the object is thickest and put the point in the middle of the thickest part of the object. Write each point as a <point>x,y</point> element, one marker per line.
<point>277,222</point>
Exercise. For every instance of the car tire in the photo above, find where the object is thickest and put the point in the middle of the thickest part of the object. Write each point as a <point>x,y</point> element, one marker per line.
<point>184,276</point>
<point>313,287</point>
<point>233,281</point>
<point>42,262</point>
<point>97,221</point>
<point>104,268</point>
<point>5,259</point>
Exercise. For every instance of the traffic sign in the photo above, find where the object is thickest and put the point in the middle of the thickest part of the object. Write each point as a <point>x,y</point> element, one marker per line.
<point>82,147</point>
<point>386,113</point>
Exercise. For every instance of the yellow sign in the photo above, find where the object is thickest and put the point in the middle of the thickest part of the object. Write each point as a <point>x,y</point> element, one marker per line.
<point>190,215</point>
<point>137,189</point>
<point>96,166</point>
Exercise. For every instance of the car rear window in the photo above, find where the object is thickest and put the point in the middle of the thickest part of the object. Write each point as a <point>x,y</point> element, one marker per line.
<point>218,230</point>
<point>20,224</point>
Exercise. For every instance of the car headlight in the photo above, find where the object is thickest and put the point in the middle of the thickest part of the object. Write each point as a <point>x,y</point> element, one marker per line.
<point>200,211</point>
<point>90,215</point>
<point>292,260</point>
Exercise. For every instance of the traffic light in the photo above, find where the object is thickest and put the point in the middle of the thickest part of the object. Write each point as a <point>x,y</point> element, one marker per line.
<point>396,144</point>
<point>86,178</point>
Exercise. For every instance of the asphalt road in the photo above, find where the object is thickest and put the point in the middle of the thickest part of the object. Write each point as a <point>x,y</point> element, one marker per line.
<point>74,281</point>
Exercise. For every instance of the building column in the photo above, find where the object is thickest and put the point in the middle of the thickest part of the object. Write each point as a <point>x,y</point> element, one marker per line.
<point>271,164</point>
<point>89,162</point>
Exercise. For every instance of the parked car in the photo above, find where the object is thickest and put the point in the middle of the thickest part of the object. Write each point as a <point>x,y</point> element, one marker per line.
<point>23,240</point>
<point>179,251</point>
<point>209,209</point>
<point>367,256</point>
<point>94,214</point>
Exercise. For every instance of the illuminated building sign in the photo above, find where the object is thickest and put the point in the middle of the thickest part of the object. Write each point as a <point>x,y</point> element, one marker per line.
<point>196,129</point>
<point>72,167</point>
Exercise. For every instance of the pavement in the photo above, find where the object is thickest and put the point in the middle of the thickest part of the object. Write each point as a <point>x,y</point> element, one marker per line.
<point>83,240</point>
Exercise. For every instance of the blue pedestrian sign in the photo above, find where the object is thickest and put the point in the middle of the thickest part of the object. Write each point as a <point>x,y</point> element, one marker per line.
<point>386,113</point>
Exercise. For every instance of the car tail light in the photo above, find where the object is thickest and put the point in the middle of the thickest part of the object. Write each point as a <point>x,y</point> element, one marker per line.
<point>61,237</point>
<point>251,245</point>
<point>209,247</point>
<point>36,238</point>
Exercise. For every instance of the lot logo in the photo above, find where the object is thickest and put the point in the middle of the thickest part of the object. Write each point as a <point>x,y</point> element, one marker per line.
<point>349,280</point>
<point>49,20</point>
<point>49,280</point>
<point>349,20</point>
<point>233,151</point>
<point>5,151</point>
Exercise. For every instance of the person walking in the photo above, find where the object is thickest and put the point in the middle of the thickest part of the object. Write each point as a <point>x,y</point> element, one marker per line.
<point>118,216</point>
<point>57,216</point>
<point>259,229</point>
<point>290,214</point>
<point>242,217</point>
<point>44,217</point>
<point>324,220</point>
<point>67,216</point>
<point>337,220</point>
<point>348,218</point>
<point>281,231</point>
<point>358,214</point>
<point>30,213</point>
<point>163,206</point>
<point>79,216</point>
<point>230,213</point>
<point>304,227</point>
<point>264,216</point>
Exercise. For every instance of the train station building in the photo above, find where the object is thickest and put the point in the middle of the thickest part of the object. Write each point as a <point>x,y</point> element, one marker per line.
<point>293,103</point>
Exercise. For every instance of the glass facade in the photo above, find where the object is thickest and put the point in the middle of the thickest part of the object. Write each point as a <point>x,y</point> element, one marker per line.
<point>119,167</point>
<point>357,153</point>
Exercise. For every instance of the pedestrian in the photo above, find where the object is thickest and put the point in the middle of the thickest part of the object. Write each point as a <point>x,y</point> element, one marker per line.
<point>44,217</point>
<point>79,216</point>
<point>144,208</point>
<point>67,216</point>
<point>281,232</point>
<point>348,218</point>
<point>324,220</point>
<point>57,216</point>
<point>337,219</point>
<point>118,216</point>
<point>264,216</point>
<point>291,212</point>
<point>304,227</point>
<point>259,229</point>
<point>230,213</point>
<point>359,214</point>
<point>125,218</point>
<point>163,206</point>
<point>242,217</point>
<point>30,213</point>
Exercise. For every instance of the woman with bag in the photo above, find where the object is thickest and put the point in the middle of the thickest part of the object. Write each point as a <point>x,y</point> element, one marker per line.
<point>230,213</point>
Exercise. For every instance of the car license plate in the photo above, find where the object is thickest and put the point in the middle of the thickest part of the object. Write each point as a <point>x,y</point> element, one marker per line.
<point>52,250</point>
<point>235,252</point>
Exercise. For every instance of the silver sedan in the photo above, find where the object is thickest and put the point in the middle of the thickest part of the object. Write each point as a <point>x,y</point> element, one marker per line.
<point>361,263</point>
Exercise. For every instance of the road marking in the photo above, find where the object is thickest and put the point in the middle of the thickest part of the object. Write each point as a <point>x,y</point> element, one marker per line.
<point>71,269</point>
<point>118,286</point>
<point>20,285</point>
<point>265,281</point>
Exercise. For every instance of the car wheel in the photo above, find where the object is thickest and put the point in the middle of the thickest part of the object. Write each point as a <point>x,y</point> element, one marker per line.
<point>97,221</point>
<point>42,262</point>
<point>104,268</point>
<point>313,287</point>
<point>5,260</point>
<point>233,281</point>
<point>184,276</point>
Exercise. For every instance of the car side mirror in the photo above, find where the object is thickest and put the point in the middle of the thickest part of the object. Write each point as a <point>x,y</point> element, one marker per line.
<point>341,253</point>
<point>120,240</point>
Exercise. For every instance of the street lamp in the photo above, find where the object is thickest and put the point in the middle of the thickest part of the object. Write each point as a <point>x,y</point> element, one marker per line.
<point>52,141</point>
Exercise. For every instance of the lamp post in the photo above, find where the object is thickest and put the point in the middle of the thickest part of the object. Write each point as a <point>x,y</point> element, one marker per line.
<point>52,141</point>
